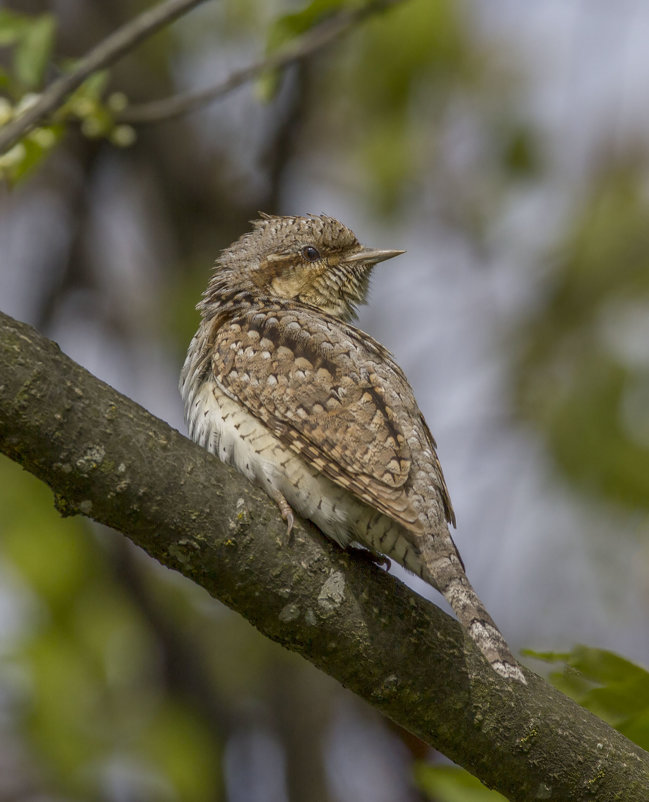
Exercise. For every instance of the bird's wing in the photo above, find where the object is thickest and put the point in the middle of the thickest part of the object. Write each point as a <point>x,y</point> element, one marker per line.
<point>330,393</point>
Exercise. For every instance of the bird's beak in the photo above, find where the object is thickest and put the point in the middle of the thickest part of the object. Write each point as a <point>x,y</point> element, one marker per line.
<point>372,255</point>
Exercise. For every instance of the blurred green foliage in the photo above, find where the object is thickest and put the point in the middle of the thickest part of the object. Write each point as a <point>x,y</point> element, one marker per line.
<point>288,27</point>
<point>583,372</point>
<point>612,687</point>
<point>31,40</point>
<point>452,784</point>
<point>391,82</point>
<point>417,44</point>
<point>89,660</point>
<point>399,80</point>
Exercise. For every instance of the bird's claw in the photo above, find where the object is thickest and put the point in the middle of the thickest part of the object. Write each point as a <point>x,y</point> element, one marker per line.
<point>287,515</point>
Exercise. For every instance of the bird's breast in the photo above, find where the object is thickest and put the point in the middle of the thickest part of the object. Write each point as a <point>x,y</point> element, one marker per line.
<point>225,428</point>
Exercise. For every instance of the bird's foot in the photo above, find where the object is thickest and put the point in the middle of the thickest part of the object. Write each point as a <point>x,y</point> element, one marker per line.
<point>286,513</point>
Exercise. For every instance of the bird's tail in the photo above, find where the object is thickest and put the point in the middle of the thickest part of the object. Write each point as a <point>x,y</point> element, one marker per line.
<point>447,575</point>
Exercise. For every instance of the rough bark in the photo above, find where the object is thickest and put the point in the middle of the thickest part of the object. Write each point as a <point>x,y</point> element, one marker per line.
<point>106,457</point>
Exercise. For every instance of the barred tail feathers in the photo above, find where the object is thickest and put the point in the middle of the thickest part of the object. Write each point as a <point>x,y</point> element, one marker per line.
<point>447,575</point>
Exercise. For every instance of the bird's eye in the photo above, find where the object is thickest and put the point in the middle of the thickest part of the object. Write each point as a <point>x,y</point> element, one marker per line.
<point>310,253</point>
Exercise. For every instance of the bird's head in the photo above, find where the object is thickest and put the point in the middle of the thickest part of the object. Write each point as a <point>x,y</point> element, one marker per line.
<point>313,260</point>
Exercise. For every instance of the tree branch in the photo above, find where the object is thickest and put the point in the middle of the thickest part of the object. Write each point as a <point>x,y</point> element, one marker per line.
<point>105,53</point>
<point>315,39</point>
<point>106,457</point>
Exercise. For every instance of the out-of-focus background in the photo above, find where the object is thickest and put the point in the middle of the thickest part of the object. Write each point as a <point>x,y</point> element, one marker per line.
<point>505,146</point>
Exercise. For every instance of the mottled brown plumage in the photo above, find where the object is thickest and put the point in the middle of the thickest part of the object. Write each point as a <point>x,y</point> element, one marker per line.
<point>280,385</point>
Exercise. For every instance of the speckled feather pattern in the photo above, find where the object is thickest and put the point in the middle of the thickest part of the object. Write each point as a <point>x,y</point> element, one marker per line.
<point>279,384</point>
<point>333,395</point>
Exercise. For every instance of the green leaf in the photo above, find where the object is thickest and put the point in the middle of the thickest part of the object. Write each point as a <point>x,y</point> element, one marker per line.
<point>452,784</point>
<point>547,657</point>
<point>33,50</point>
<point>267,86</point>
<point>12,26</point>
<point>289,27</point>
<point>609,685</point>
<point>19,162</point>
<point>87,106</point>
<point>6,81</point>
<point>636,729</point>
<point>95,85</point>
<point>599,665</point>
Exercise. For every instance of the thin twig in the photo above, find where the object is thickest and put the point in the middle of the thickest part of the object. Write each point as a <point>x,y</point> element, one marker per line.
<point>315,39</point>
<point>105,53</point>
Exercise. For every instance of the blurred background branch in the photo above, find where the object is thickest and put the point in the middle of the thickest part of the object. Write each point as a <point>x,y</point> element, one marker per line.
<point>313,40</point>
<point>112,48</point>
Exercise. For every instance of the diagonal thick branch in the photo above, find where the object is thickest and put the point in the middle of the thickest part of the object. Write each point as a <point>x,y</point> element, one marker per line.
<point>106,457</point>
<point>103,55</point>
